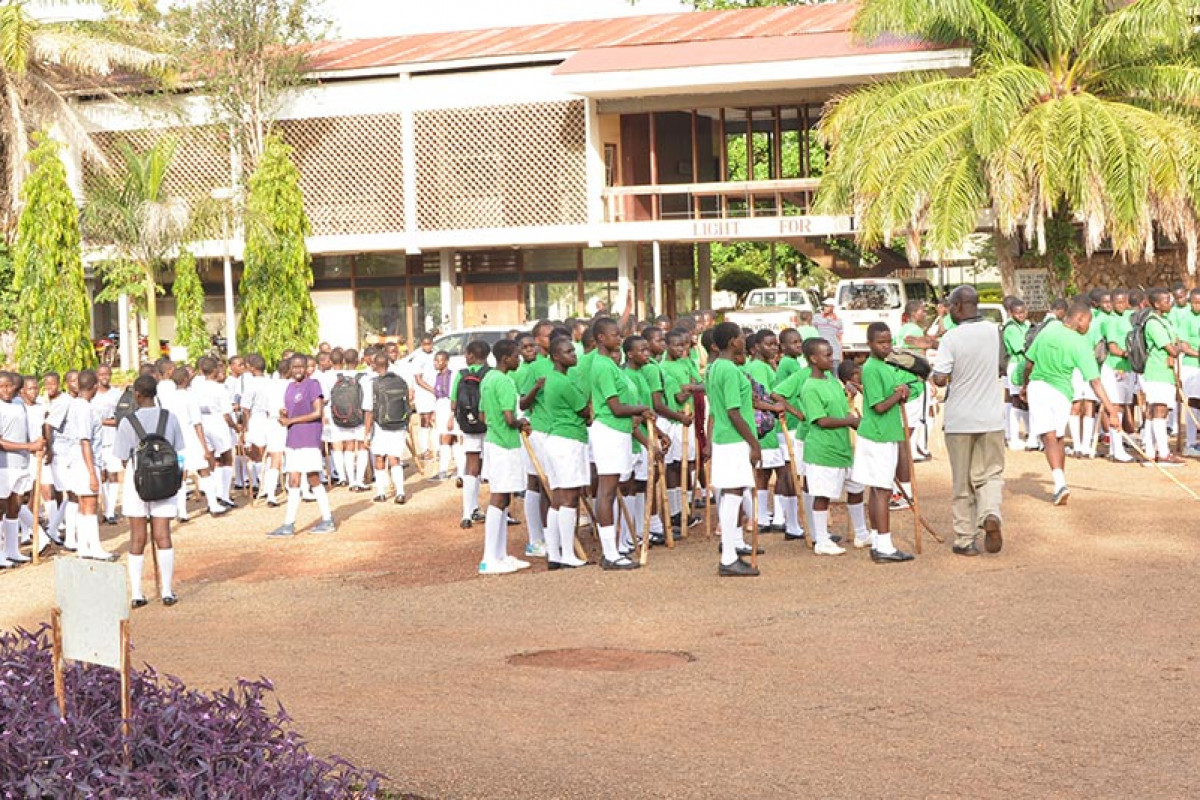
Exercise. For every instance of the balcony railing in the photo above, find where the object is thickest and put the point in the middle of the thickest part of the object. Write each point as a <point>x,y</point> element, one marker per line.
<point>714,200</point>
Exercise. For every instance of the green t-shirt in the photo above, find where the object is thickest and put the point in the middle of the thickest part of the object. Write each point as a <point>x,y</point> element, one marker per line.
<point>1116,331</point>
<point>763,373</point>
<point>808,332</point>
<point>825,447</point>
<point>1159,334</point>
<point>879,382</point>
<point>564,402</point>
<point>1056,353</point>
<point>906,330</point>
<point>1177,314</point>
<point>787,365</point>
<point>641,380</point>
<point>1189,331</point>
<point>1096,329</point>
<point>526,377</point>
<point>609,380</point>
<point>679,372</point>
<point>1014,345</point>
<point>578,349</point>
<point>582,372</point>
<point>948,323</point>
<point>790,389</point>
<point>728,389</point>
<point>497,394</point>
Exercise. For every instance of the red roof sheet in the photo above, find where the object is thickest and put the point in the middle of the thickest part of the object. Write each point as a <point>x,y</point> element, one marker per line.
<point>655,29</point>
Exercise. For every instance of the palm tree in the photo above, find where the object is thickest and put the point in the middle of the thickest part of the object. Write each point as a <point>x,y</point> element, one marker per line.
<point>39,58</point>
<point>1084,109</point>
<point>140,224</point>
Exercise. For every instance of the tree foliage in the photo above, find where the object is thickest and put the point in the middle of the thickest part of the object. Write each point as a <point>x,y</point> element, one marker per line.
<point>190,331</point>
<point>53,309</point>
<point>1081,106</point>
<point>277,310</point>
<point>740,281</point>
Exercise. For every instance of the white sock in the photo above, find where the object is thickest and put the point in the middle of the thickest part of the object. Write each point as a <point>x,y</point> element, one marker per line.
<point>225,478</point>
<point>747,504</point>
<point>136,565</point>
<point>656,524</point>
<point>1023,417</point>
<point>820,526</point>
<point>567,519</point>
<point>381,482</point>
<point>166,570</point>
<point>764,507</point>
<point>25,517</point>
<point>608,542</point>
<point>553,544</point>
<point>470,495</point>
<point>256,469</point>
<point>1189,424</point>
<point>460,457</point>
<point>1010,419</point>
<point>89,534</point>
<point>906,487</point>
<point>777,517</point>
<point>791,514</point>
<point>1074,427</point>
<point>639,513</point>
<point>675,501</point>
<point>1089,430</point>
<point>12,539</point>
<point>858,519</point>
<point>533,517</point>
<point>731,532</point>
<point>398,478</point>
<point>444,458</point>
<point>270,484</point>
<point>181,502</point>
<point>1116,442</point>
<point>322,501</point>
<point>361,460</point>
<point>1060,479</point>
<point>293,505</point>
<point>1161,438</point>
<point>71,519</point>
<point>493,530</point>
<point>883,543</point>
<point>208,485</point>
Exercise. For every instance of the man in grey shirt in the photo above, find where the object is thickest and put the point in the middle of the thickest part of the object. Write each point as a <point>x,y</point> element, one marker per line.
<point>830,328</point>
<point>968,362</point>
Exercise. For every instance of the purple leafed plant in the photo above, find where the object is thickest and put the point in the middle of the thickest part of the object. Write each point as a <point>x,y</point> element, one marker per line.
<point>182,743</point>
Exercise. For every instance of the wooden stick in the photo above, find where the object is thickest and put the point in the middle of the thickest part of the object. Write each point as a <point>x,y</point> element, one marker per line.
<point>707,501</point>
<point>1129,441</point>
<point>412,448</point>
<point>126,704</point>
<point>580,552</point>
<point>35,507</point>
<point>153,558</point>
<point>1182,404</point>
<point>60,690</point>
<point>754,529</point>
<point>657,486</point>
<point>625,515</point>
<point>685,513</point>
<point>537,467</point>
<point>912,478</point>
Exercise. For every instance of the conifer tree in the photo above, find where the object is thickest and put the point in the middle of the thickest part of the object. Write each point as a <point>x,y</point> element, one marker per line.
<point>190,331</point>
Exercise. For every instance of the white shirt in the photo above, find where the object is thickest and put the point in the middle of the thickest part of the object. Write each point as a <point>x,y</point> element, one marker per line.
<point>14,427</point>
<point>970,355</point>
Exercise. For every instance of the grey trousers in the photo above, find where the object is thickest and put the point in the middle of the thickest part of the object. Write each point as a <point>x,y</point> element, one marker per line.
<point>977,467</point>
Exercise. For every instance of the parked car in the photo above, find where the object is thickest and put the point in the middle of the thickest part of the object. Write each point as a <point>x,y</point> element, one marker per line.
<point>861,301</point>
<point>774,309</point>
<point>455,343</point>
<point>994,312</point>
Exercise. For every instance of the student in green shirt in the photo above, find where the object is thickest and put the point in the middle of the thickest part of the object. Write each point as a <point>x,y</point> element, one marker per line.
<point>827,453</point>
<point>565,452</point>
<point>877,449</point>
<point>1048,388</point>
<point>530,379</point>
<point>791,353</point>
<point>501,456</point>
<point>664,388</point>
<point>1115,375</point>
<point>1016,413</point>
<point>806,329</point>
<point>734,447</point>
<point>1188,332</point>
<point>912,337</point>
<point>787,393</point>
<point>1158,381</point>
<point>1179,305</point>
<point>645,373</point>
<point>615,409</point>
<point>477,355</point>
<point>1082,422</point>
<point>682,390</point>
<point>785,517</point>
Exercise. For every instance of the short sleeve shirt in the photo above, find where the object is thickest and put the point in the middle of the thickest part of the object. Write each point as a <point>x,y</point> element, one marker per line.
<point>1014,345</point>
<point>677,374</point>
<point>825,447</point>
<point>970,355</point>
<point>1116,331</point>
<point>764,375</point>
<point>879,382</point>
<point>641,384</point>
<point>728,390</point>
<point>564,402</point>
<point>126,440</point>
<point>497,394</point>
<point>1056,353</point>
<point>1159,334</point>
<point>790,389</point>
<point>300,399</point>
<point>609,380</point>
<point>1189,331</point>
<point>524,380</point>
<point>14,427</point>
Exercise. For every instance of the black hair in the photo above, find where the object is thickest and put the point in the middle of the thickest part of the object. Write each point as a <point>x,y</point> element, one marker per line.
<point>912,307</point>
<point>846,369</point>
<point>676,334</point>
<point>255,361</point>
<point>478,349</point>
<point>1058,305</point>
<point>207,365</point>
<point>810,346</point>
<point>1136,296</point>
<point>1154,294</point>
<point>52,374</point>
<point>87,379</point>
<point>877,327</point>
<point>541,323</point>
<point>503,349</point>
<point>601,324</point>
<point>146,386</point>
<point>724,333</point>
<point>559,330</point>
<point>708,339</point>
<point>631,342</point>
<point>1081,308</point>
<point>443,353</point>
<point>179,376</point>
<point>788,332</point>
<point>1096,296</point>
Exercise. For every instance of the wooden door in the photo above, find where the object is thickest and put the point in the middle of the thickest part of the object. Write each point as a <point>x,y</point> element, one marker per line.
<point>492,304</point>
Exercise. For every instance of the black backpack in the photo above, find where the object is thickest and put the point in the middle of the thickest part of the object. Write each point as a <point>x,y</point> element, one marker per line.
<point>346,402</point>
<point>466,410</point>
<point>910,363</point>
<point>125,405</point>
<point>1100,351</point>
<point>157,474</point>
<point>392,408</point>
<point>1032,333</point>
<point>1137,349</point>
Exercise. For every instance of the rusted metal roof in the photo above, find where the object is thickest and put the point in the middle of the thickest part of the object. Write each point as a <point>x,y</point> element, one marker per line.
<point>569,37</point>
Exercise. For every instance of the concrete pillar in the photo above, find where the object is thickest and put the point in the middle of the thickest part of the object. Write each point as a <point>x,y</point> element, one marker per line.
<point>656,250</point>
<point>704,275</point>
<point>626,261</point>
<point>408,157</point>
<point>128,341</point>
<point>451,308</point>
<point>594,155</point>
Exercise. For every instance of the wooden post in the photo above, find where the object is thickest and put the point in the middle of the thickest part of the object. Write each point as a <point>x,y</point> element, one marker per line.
<point>126,704</point>
<point>912,479</point>
<point>35,507</point>
<point>60,691</point>
<point>685,512</point>
<point>707,501</point>
<point>153,558</point>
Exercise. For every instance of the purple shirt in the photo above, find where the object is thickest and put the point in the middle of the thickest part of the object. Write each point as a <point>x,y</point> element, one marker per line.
<point>300,400</point>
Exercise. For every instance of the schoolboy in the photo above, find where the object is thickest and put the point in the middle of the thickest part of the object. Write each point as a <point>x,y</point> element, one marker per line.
<point>302,415</point>
<point>566,463</point>
<point>1158,380</point>
<point>502,462</point>
<point>477,366</point>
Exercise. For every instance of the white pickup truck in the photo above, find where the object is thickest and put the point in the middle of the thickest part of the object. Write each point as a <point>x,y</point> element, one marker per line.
<point>773,309</point>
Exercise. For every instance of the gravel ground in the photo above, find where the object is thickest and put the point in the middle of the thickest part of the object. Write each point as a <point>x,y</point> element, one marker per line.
<point>1065,666</point>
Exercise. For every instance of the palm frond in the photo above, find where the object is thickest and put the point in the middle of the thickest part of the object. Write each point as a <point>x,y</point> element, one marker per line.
<point>942,22</point>
<point>1001,95</point>
<point>1170,85</point>
<point>1133,31</point>
<point>17,29</point>
<point>90,55</point>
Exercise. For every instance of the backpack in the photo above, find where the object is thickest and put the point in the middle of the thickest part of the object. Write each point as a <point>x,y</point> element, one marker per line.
<point>910,363</point>
<point>1100,351</point>
<point>1032,333</point>
<point>157,474</point>
<point>125,405</point>
<point>467,400</point>
<point>1137,349</point>
<point>392,408</point>
<point>346,402</point>
<point>764,421</point>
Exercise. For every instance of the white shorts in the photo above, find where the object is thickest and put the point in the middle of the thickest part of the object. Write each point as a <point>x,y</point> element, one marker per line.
<point>537,440</point>
<point>676,431</point>
<point>473,443</point>
<point>641,466</point>
<point>338,434</point>
<point>108,460</point>
<point>193,459</point>
<point>1119,386</point>
<point>1189,379</point>
<point>442,418</point>
<point>1009,374</point>
<point>326,432</point>
<point>1083,389</point>
<point>217,434</point>
<point>730,467</point>
<point>829,482</point>
<point>874,463</point>
<point>425,402</point>
<point>773,458</point>
<point>304,460</point>
<point>503,469</point>
<point>798,452</point>
<point>566,463</point>
<point>256,430</point>
<point>612,450</point>
<point>75,477</point>
<point>276,436</point>
<point>1049,409</point>
<point>914,411</point>
<point>1159,393</point>
<point>135,507</point>
<point>393,444</point>
<point>53,472</point>
<point>14,481</point>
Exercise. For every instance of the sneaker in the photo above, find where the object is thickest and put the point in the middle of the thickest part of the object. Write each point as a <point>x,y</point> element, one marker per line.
<point>324,526</point>
<point>621,563</point>
<point>1124,458</point>
<point>496,568</point>
<point>381,498</point>
<point>894,557</point>
<point>170,600</point>
<point>401,499</point>
<point>792,537</point>
<point>738,569</point>
<point>283,531</point>
<point>1061,496</point>
<point>829,549</point>
<point>517,563</point>
<point>93,555</point>
<point>465,524</point>
<point>863,544</point>
<point>21,559</point>
<point>478,516</point>
<point>898,503</point>
<point>512,520</point>
<point>535,550</point>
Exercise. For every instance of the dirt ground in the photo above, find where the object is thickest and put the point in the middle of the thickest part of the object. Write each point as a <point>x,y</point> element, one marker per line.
<point>1066,666</point>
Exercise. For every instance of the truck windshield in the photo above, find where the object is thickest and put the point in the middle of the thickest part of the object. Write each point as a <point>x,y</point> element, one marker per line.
<point>869,297</point>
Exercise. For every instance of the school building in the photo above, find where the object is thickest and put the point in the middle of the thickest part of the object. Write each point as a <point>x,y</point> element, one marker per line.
<point>492,177</point>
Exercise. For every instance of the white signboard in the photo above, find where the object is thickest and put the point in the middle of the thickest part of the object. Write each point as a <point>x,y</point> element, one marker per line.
<point>1033,286</point>
<point>93,597</point>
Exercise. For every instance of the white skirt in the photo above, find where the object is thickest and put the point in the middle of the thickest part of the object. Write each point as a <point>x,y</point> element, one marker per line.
<point>829,482</point>
<point>276,437</point>
<point>537,440</point>
<point>1159,393</point>
<point>566,463</point>
<point>874,463</point>
<point>730,466</point>
<point>305,460</point>
<point>135,507</point>
<point>340,435</point>
<point>392,444</point>
<point>503,469</point>
<point>612,450</point>
<point>1049,409</point>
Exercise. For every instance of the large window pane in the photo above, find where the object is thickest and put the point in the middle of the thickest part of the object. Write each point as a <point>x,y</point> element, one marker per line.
<point>596,293</point>
<point>427,311</point>
<point>555,301</point>
<point>382,312</point>
<point>381,265</point>
<point>551,259</point>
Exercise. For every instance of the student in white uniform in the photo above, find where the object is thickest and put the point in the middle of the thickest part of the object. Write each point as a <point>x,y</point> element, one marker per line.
<point>16,451</point>
<point>176,396</point>
<point>216,414</point>
<point>104,405</point>
<point>78,432</point>
<point>420,378</point>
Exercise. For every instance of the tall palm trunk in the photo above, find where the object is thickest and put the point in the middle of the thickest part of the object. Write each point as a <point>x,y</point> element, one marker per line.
<point>151,316</point>
<point>1006,261</point>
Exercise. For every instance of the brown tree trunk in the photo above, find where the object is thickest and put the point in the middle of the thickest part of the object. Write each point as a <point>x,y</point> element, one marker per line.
<point>1006,261</point>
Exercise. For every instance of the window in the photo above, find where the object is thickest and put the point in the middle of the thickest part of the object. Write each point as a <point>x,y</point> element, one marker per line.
<point>869,296</point>
<point>610,165</point>
<point>551,300</point>
<point>382,312</point>
<point>917,291</point>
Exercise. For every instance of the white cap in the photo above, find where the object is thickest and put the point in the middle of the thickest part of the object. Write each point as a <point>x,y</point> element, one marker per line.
<point>828,301</point>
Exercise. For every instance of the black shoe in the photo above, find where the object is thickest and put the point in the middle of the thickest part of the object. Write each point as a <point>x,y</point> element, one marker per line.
<point>552,566</point>
<point>748,551</point>
<point>764,528</point>
<point>401,499</point>
<point>478,516</point>
<point>227,503</point>
<point>657,540</point>
<point>108,520</point>
<point>793,537</point>
<point>465,524</point>
<point>621,563</point>
<point>698,504</point>
<point>357,489</point>
<point>969,550</point>
<point>138,602</point>
<point>890,558</point>
<point>993,540</point>
<point>738,569</point>
<point>170,600</point>
<point>513,520</point>
<point>54,537</point>
<point>272,503</point>
<point>835,539</point>
<point>381,498</point>
<point>778,528</point>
